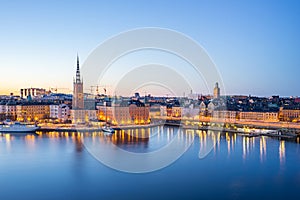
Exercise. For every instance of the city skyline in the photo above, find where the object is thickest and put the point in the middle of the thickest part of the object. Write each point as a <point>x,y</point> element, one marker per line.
<point>161,99</point>
<point>254,45</point>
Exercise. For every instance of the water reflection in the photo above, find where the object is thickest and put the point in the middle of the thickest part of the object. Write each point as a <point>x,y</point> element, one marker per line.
<point>151,139</point>
<point>262,148</point>
<point>248,146</point>
<point>78,142</point>
<point>228,143</point>
<point>8,141</point>
<point>30,141</point>
<point>282,152</point>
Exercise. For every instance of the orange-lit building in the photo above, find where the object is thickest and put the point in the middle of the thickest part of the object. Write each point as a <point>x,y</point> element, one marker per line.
<point>289,114</point>
<point>124,113</point>
<point>32,111</point>
<point>174,111</point>
<point>139,113</point>
<point>259,116</point>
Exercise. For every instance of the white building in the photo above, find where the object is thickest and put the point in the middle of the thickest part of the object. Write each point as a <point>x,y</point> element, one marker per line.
<point>163,110</point>
<point>60,112</point>
<point>82,116</point>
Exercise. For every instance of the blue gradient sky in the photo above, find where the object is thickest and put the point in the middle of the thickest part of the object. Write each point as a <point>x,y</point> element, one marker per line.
<point>254,44</point>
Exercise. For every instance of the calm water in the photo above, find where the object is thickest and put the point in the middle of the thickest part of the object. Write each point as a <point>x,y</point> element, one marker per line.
<point>59,166</point>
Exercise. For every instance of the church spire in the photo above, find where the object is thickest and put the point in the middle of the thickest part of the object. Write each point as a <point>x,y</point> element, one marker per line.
<point>78,71</point>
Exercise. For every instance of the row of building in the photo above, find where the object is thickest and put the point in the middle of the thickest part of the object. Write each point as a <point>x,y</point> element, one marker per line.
<point>116,113</point>
<point>41,105</point>
<point>127,112</point>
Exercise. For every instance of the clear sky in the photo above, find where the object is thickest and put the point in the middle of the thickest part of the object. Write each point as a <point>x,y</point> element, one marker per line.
<point>255,44</point>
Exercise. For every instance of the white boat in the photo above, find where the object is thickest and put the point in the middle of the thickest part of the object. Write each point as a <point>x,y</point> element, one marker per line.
<point>108,130</point>
<point>17,127</point>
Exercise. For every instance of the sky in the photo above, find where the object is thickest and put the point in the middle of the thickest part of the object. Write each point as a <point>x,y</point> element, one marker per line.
<point>255,45</point>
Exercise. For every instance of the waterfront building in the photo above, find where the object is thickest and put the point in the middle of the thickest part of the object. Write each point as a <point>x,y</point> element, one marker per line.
<point>259,116</point>
<point>224,114</point>
<point>32,111</point>
<point>289,114</point>
<point>139,113</point>
<point>83,116</point>
<point>174,111</point>
<point>124,112</point>
<point>60,112</point>
<point>216,91</point>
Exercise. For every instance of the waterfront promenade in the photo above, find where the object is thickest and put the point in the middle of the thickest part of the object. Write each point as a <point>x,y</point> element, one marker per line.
<point>203,124</point>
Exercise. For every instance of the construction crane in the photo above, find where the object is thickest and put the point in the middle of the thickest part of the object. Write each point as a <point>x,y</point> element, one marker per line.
<point>56,89</point>
<point>98,88</point>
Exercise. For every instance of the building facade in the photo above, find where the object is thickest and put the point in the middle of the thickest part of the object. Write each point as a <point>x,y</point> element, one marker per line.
<point>124,113</point>
<point>60,112</point>
<point>32,111</point>
<point>225,115</point>
<point>289,114</point>
<point>11,110</point>
<point>259,116</point>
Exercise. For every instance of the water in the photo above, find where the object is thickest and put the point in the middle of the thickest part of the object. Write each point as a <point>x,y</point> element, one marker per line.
<point>58,166</point>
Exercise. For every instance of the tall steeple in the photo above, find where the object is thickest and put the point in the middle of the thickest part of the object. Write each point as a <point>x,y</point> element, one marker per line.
<point>216,91</point>
<point>77,102</point>
<point>78,71</point>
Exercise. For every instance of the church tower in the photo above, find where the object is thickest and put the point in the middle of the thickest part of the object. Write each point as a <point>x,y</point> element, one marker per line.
<point>216,91</point>
<point>77,102</point>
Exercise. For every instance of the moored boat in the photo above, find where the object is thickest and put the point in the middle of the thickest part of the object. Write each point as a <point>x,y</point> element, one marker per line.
<point>17,127</point>
<point>108,130</point>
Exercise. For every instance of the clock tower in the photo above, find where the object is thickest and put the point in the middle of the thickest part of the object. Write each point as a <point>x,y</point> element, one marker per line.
<point>77,102</point>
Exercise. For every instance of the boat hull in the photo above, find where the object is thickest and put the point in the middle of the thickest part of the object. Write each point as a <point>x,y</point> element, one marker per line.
<point>18,129</point>
<point>108,130</point>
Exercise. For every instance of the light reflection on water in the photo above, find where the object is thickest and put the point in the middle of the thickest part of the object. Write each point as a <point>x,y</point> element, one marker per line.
<point>131,140</point>
<point>282,152</point>
<point>229,167</point>
<point>263,149</point>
